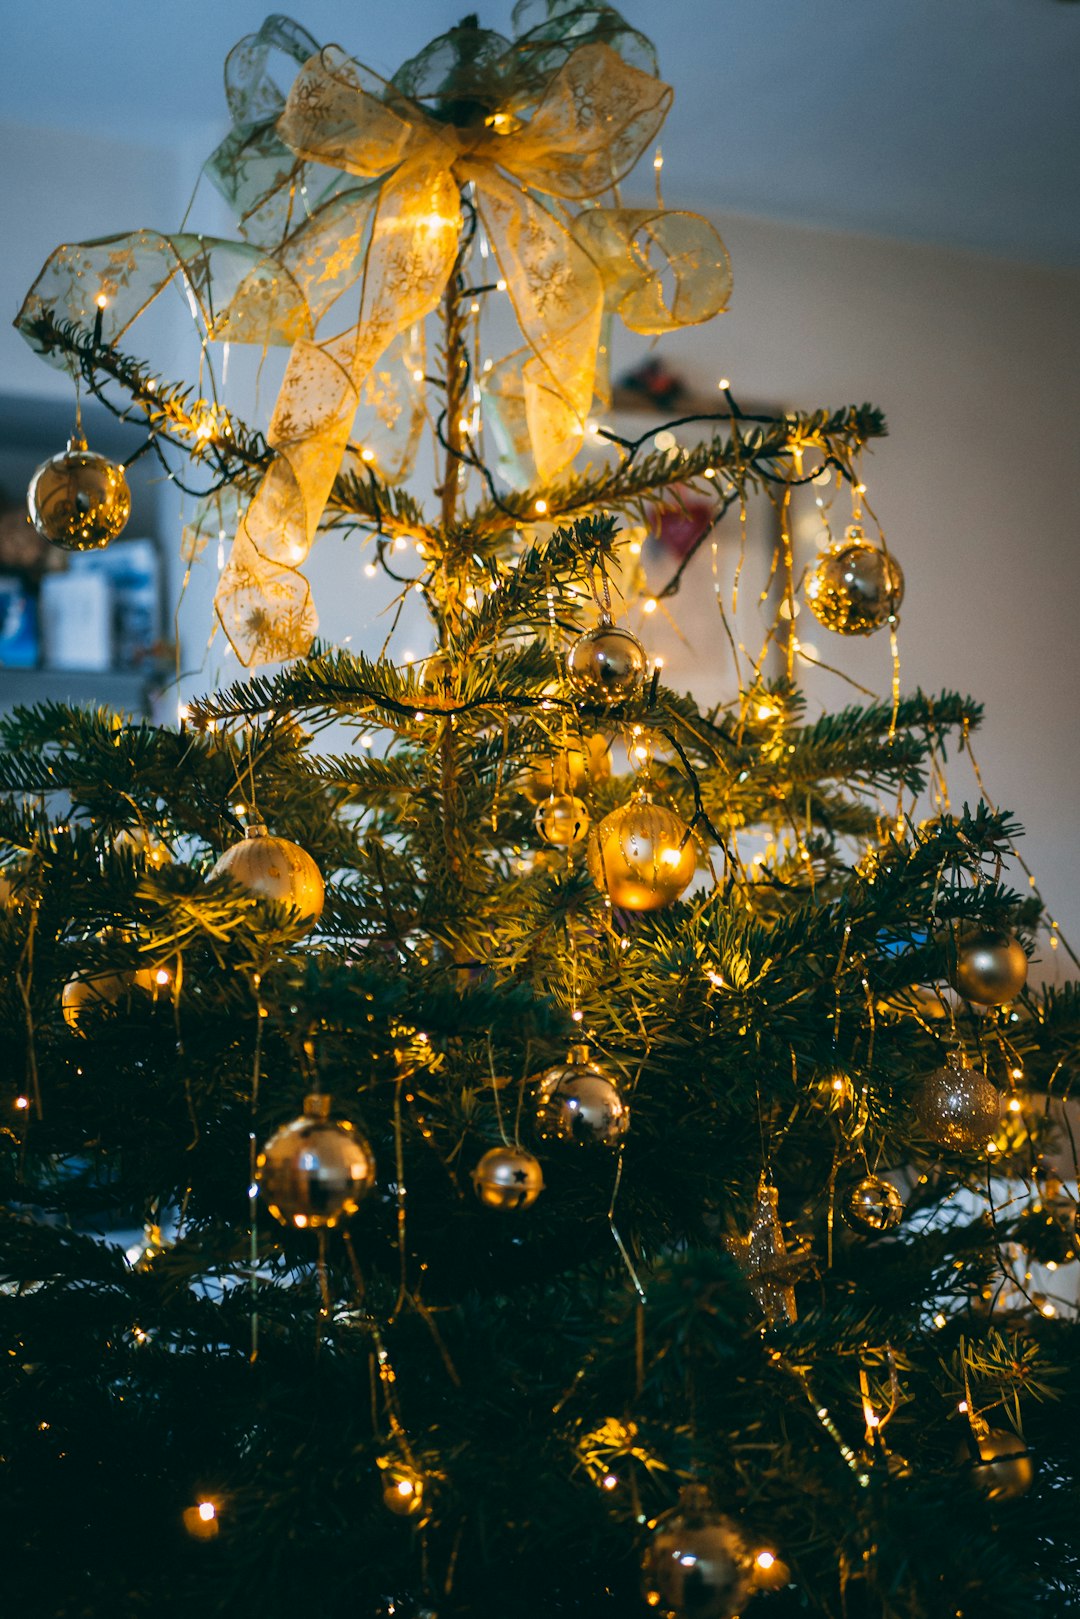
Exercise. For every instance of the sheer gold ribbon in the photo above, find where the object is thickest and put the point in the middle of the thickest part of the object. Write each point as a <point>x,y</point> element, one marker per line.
<point>396,232</point>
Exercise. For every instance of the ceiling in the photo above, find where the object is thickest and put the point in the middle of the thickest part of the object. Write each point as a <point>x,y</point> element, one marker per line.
<point>954,122</point>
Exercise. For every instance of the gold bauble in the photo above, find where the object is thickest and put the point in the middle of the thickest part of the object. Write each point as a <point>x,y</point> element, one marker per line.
<point>562,820</point>
<point>1004,1469</point>
<point>275,869</point>
<point>642,855</point>
<point>606,664</point>
<point>316,1170</point>
<point>580,1103</point>
<point>958,1106</point>
<point>873,1204</point>
<point>439,678</point>
<point>568,770</point>
<point>989,966</point>
<point>402,1488</point>
<point>102,986</point>
<point>508,1178</point>
<point>855,587</point>
<point>143,844</point>
<point>697,1564</point>
<point>79,500</point>
<point>769,1572</point>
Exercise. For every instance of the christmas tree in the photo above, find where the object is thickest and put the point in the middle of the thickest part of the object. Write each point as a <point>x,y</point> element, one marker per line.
<point>594,1151</point>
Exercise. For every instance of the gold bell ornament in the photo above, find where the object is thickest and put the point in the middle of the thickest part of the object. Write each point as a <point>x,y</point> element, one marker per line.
<point>276,869</point>
<point>958,1106</point>
<point>508,1178</point>
<point>642,855</point>
<point>988,966</point>
<point>873,1204</point>
<point>855,587</point>
<point>697,1564</point>
<point>568,770</point>
<point>562,820</point>
<point>997,1461</point>
<point>580,1103</point>
<point>607,664</point>
<point>77,499</point>
<point>315,1170</point>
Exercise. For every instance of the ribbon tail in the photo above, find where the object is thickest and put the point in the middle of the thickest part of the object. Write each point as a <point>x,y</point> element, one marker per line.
<point>558,298</point>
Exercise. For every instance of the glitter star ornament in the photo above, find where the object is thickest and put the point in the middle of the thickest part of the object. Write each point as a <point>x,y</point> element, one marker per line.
<point>79,500</point>
<point>765,1260</point>
<point>697,1564</point>
<point>508,1178</point>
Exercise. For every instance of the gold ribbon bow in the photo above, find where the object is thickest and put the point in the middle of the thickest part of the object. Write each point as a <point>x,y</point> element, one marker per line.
<point>395,229</point>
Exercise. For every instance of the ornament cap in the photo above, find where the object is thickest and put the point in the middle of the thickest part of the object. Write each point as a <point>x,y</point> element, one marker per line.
<point>580,1052</point>
<point>256,829</point>
<point>77,442</point>
<point>317,1105</point>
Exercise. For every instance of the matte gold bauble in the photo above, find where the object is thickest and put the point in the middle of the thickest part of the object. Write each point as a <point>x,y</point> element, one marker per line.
<point>275,869</point>
<point>566,771</point>
<point>1004,1468</point>
<point>508,1178</point>
<point>316,1170</point>
<point>580,1103</point>
<point>642,855</point>
<point>102,986</point>
<point>697,1564</point>
<point>873,1204</point>
<point>79,500</point>
<point>562,820</point>
<point>990,967</point>
<point>855,587</point>
<point>606,664</point>
<point>958,1106</point>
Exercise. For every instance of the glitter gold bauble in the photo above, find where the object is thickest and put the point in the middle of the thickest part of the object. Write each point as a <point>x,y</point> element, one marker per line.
<point>642,855</point>
<point>508,1178</point>
<point>79,500</point>
<point>697,1564</point>
<point>606,664</point>
<point>873,1204</point>
<point>276,869</point>
<point>855,587</point>
<point>562,820</point>
<point>1004,1468</point>
<point>316,1170</point>
<point>566,771</point>
<point>958,1107</point>
<point>580,1103</point>
<point>989,966</point>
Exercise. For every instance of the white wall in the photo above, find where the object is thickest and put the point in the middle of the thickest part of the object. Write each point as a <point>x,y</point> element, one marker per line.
<point>973,359</point>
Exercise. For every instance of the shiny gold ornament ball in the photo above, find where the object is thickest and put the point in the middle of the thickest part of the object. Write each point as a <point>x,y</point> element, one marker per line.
<point>697,1564</point>
<point>1005,1468</point>
<point>562,820</point>
<point>508,1178</point>
<point>402,1489</point>
<point>642,855</point>
<point>606,664</point>
<point>566,771</point>
<point>855,587</point>
<point>579,1103</point>
<point>958,1106</point>
<point>275,869</point>
<point>316,1170</point>
<point>106,986</point>
<point>990,967</point>
<point>873,1204</point>
<point>79,500</point>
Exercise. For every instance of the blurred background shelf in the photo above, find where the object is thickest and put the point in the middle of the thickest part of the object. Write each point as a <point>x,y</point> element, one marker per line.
<point>122,689</point>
